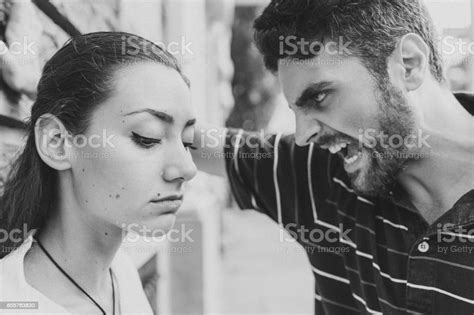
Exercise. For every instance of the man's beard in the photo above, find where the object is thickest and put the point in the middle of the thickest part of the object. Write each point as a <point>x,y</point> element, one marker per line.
<point>379,175</point>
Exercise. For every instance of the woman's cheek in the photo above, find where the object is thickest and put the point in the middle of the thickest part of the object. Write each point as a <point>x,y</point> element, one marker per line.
<point>121,181</point>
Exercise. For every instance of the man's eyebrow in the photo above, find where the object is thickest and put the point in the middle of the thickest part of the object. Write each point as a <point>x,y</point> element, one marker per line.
<point>310,91</point>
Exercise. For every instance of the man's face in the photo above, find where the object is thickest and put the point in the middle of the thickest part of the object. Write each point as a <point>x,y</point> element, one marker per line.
<point>339,106</point>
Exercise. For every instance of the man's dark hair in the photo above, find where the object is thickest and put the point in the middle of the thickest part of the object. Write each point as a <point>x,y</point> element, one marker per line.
<point>372,27</point>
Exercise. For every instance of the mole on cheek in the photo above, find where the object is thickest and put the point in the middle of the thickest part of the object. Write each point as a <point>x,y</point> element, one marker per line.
<point>117,196</point>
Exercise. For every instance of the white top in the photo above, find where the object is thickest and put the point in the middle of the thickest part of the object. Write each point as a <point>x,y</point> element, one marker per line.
<point>14,288</point>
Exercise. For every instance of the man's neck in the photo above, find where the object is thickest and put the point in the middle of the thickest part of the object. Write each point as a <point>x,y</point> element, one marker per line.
<point>446,172</point>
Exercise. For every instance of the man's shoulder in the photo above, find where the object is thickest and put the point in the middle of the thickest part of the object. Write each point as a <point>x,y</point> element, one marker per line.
<point>466,100</point>
<point>461,215</point>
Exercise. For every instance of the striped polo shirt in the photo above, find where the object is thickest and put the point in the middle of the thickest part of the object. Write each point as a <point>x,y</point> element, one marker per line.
<point>373,255</point>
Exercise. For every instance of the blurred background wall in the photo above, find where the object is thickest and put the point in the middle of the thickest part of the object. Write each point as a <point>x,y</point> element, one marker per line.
<point>236,262</point>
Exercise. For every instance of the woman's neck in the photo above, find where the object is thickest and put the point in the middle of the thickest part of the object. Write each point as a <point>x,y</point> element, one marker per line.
<point>83,246</point>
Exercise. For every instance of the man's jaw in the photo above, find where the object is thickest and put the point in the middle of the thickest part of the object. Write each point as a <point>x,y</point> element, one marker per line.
<point>357,160</point>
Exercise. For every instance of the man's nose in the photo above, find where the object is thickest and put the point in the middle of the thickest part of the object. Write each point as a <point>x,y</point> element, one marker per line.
<point>305,130</point>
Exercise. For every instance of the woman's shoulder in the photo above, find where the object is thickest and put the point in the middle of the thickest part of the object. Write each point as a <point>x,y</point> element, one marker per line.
<point>130,285</point>
<point>122,263</point>
<point>11,270</point>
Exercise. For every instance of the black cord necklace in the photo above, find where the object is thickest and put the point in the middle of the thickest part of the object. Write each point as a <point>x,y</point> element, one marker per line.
<point>77,285</point>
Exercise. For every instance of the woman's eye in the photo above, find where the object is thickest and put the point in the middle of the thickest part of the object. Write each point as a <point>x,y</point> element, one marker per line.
<point>189,146</point>
<point>144,141</point>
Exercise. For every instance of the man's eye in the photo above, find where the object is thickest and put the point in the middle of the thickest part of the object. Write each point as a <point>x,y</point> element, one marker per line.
<point>144,142</point>
<point>320,96</point>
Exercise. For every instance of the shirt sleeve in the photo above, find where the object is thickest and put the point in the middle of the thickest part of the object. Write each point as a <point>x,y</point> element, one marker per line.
<point>273,175</point>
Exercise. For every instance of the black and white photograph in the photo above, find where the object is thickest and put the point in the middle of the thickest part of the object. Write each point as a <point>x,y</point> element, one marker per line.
<point>236,157</point>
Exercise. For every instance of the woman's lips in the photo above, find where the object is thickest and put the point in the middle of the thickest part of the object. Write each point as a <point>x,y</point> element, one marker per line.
<point>168,205</point>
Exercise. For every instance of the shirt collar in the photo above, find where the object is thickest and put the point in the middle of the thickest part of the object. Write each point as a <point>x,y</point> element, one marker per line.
<point>461,214</point>
<point>466,100</point>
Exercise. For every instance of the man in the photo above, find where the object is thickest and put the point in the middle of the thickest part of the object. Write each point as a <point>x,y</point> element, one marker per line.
<point>382,157</point>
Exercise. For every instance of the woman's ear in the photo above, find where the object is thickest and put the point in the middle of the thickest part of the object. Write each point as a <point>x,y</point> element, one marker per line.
<point>52,142</point>
<point>412,59</point>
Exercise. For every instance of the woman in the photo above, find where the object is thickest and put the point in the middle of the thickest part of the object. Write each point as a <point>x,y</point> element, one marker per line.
<point>107,152</point>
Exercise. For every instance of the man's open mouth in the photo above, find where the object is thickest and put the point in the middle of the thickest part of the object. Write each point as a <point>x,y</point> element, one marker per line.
<point>349,151</point>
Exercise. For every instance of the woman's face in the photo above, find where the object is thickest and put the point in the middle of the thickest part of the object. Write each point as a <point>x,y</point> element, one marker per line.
<point>131,172</point>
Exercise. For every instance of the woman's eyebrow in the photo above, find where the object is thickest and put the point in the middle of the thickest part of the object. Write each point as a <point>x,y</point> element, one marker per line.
<point>167,118</point>
<point>160,115</point>
<point>191,122</point>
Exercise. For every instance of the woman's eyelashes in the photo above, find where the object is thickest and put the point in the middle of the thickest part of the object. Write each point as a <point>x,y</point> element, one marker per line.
<point>189,146</point>
<point>144,142</point>
<point>148,143</point>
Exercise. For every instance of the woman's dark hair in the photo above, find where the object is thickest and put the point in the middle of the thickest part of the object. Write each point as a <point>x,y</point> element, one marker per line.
<point>74,81</point>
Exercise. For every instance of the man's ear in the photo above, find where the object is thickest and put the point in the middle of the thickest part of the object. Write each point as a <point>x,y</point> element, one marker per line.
<point>52,142</point>
<point>411,57</point>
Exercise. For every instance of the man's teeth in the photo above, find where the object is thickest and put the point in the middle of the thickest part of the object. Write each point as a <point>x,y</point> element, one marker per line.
<point>334,148</point>
<point>337,147</point>
<point>351,159</point>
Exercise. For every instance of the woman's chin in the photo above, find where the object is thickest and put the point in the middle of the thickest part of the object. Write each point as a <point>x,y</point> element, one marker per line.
<point>159,227</point>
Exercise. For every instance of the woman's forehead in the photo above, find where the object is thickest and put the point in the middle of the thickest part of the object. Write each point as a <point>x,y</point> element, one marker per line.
<point>152,87</point>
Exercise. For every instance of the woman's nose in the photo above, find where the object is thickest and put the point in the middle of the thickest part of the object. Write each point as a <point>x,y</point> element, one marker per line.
<point>180,166</point>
